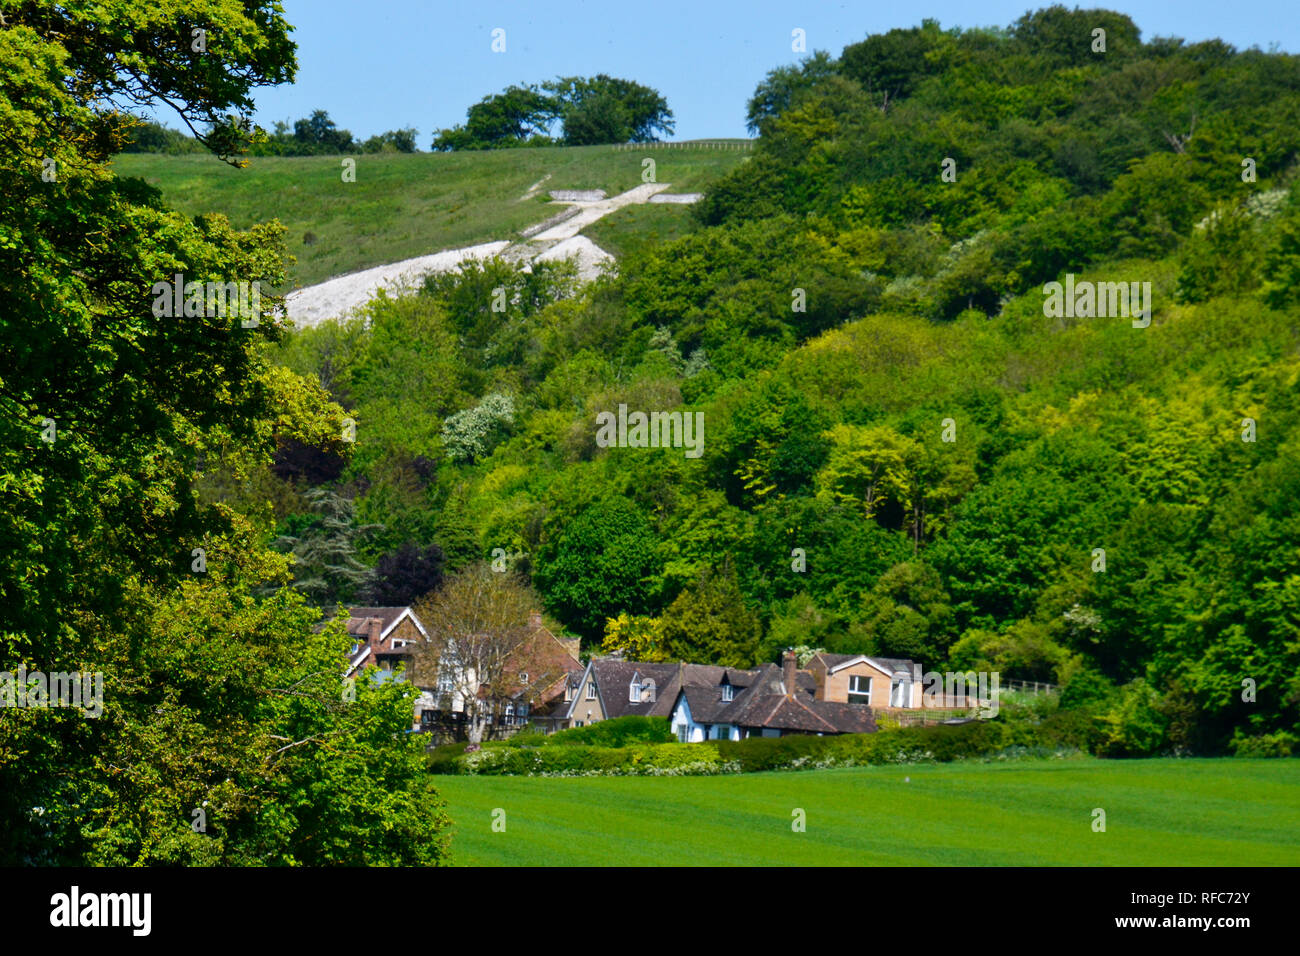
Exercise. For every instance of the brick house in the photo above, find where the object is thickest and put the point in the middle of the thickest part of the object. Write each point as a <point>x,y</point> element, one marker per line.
<point>887,683</point>
<point>537,674</point>
<point>383,636</point>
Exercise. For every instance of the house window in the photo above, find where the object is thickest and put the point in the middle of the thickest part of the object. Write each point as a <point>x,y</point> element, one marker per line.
<point>728,692</point>
<point>724,732</point>
<point>523,677</point>
<point>682,731</point>
<point>634,692</point>
<point>859,689</point>
<point>568,693</point>
<point>445,684</point>
<point>591,690</point>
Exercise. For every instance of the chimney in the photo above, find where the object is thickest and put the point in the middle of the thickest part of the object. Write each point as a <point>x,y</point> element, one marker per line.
<point>374,627</point>
<point>789,667</point>
<point>534,620</point>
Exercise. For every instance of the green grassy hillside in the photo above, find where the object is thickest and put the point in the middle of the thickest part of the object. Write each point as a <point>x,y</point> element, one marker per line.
<point>1158,813</point>
<point>405,205</point>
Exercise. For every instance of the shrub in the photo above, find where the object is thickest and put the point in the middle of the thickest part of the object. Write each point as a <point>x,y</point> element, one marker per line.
<point>1280,744</point>
<point>1133,725</point>
<point>471,434</point>
<point>619,732</point>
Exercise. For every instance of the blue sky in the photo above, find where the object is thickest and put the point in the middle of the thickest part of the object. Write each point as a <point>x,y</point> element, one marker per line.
<point>386,64</point>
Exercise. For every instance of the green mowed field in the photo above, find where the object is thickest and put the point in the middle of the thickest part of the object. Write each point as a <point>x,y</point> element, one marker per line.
<point>405,205</point>
<point>1226,812</point>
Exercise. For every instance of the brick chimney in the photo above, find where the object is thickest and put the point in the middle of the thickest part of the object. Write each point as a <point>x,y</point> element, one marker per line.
<point>789,668</point>
<point>374,627</point>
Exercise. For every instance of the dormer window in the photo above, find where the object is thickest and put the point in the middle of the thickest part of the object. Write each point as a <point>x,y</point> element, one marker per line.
<point>728,691</point>
<point>568,693</point>
<point>634,692</point>
<point>591,690</point>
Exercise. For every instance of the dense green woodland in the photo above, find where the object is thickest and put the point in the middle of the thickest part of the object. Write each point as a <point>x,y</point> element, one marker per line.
<point>924,303</point>
<point>839,310</point>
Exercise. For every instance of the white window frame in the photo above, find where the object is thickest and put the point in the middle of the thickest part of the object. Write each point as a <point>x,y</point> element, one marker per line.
<point>728,691</point>
<point>591,690</point>
<point>634,692</point>
<point>852,692</point>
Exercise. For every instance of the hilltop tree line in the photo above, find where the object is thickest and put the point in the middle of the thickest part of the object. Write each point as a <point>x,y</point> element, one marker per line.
<point>313,135</point>
<point>589,110</point>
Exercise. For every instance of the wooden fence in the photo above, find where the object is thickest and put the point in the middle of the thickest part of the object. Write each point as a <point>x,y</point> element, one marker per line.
<point>741,145</point>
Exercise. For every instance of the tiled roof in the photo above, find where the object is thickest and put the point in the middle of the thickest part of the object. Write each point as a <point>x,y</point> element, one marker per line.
<point>357,618</point>
<point>614,678</point>
<point>761,701</point>
<point>890,665</point>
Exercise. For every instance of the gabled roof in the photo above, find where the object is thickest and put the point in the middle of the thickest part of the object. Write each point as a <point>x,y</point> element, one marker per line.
<point>389,618</point>
<point>886,665</point>
<point>544,657</point>
<point>614,679</point>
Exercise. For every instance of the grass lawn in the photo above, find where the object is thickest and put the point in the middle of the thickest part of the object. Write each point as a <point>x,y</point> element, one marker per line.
<point>405,205</point>
<point>632,228</point>
<point>1225,812</point>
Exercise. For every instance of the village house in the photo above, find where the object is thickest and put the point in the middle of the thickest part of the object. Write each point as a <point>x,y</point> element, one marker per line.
<point>383,636</point>
<point>537,671</point>
<point>837,694</point>
<point>884,682</point>
<point>769,701</point>
<point>535,677</point>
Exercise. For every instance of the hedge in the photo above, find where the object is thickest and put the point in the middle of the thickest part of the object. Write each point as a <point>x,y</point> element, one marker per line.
<point>904,745</point>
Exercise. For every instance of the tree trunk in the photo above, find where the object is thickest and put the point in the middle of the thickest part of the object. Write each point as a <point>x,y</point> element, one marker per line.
<point>474,725</point>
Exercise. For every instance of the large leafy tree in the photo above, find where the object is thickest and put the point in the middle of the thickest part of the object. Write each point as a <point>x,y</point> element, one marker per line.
<point>709,622</point>
<point>327,568</point>
<point>592,110</point>
<point>601,564</point>
<point>111,407</point>
<point>783,86</point>
<point>606,109</point>
<point>517,115</point>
